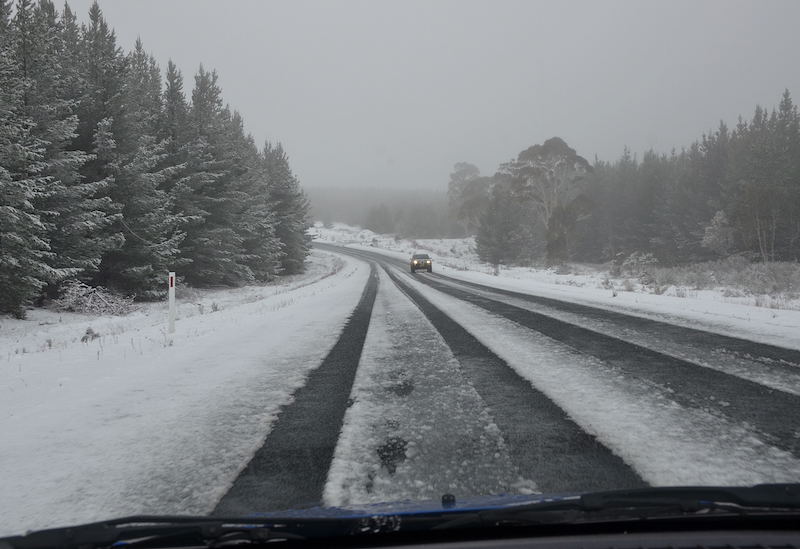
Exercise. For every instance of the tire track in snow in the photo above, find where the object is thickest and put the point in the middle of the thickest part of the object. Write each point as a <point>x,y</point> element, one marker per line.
<point>770,412</point>
<point>739,346</point>
<point>416,429</point>
<point>544,443</point>
<point>290,469</point>
<point>702,348</point>
<point>771,357</point>
<point>671,439</point>
<point>667,443</point>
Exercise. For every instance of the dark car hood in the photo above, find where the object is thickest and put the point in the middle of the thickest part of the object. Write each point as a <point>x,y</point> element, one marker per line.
<point>412,507</point>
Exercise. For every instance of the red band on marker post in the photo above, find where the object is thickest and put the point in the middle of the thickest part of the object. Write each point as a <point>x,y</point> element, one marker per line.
<point>171,299</point>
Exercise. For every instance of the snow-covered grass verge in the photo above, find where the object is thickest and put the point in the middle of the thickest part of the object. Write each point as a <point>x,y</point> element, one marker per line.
<point>773,319</point>
<point>774,285</point>
<point>45,329</point>
<point>126,423</point>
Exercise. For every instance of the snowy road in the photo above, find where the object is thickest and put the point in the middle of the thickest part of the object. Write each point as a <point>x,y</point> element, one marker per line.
<point>466,389</point>
<point>360,383</point>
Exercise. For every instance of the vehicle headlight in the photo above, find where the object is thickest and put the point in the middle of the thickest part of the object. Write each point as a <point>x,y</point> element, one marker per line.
<point>415,262</point>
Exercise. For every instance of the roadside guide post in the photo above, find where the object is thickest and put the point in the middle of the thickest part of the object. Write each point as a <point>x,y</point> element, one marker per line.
<point>171,293</point>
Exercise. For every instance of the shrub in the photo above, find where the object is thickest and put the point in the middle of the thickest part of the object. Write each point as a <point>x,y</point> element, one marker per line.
<point>81,298</point>
<point>639,263</point>
<point>628,286</point>
<point>737,273</point>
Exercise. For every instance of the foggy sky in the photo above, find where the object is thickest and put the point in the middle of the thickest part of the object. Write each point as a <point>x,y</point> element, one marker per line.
<point>371,92</point>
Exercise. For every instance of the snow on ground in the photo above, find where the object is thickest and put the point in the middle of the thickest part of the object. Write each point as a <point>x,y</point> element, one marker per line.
<point>416,429</point>
<point>663,441</point>
<point>45,330</point>
<point>703,309</point>
<point>127,423</point>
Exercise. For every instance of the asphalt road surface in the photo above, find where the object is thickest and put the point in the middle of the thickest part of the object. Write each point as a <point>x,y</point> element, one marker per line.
<point>696,368</point>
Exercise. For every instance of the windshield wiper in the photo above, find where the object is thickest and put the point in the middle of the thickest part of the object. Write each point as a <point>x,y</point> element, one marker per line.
<point>177,531</point>
<point>695,498</point>
<point>638,503</point>
<point>171,531</point>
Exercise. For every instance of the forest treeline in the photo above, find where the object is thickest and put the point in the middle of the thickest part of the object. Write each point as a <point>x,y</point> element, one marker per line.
<point>733,192</point>
<point>113,175</point>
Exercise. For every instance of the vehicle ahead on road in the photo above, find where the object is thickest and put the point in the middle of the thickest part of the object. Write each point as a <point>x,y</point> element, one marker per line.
<point>421,261</point>
<point>763,515</point>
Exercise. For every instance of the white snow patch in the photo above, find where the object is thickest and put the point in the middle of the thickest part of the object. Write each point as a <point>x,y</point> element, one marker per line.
<point>128,424</point>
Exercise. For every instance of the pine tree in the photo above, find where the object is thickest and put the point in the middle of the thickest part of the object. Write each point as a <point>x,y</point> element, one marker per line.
<point>24,251</point>
<point>74,219</point>
<point>206,193</point>
<point>73,75</point>
<point>103,67</point>
<point>252,215</point>
<point>106,178</point>
<point>150,228</point>
<point>291,206</point>
<point>261,246</point>
<point>786,132</point>
<point>256,220</point>
<point>757,203</point>
<point>173,128</point>
<point>101,131</point>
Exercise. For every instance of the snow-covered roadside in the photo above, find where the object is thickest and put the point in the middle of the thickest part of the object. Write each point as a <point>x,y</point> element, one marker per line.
<point>417,429</point>
<point>706,310</point>
<point>127,424</point>
<point>772,326</point>
<point>665,442</point>
<point>45,330</point>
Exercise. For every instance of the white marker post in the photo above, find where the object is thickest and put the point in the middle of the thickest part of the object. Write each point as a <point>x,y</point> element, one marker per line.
<point>171,294</point>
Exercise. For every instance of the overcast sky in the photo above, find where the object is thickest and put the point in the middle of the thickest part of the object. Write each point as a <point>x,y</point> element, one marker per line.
<point>374,92</point>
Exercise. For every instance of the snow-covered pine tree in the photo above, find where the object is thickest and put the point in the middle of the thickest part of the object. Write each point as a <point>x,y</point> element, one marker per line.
<point>150,228</point>
<point>204,193</point>
<point>173,127</point>
<point>73,218</point>
<point>262,247</point>
<point>786,147</point>
<point>101,127</point>
<point>24,251</point>
<point>291,207</point>
<point>254,217</point>
<point>103,67</point>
